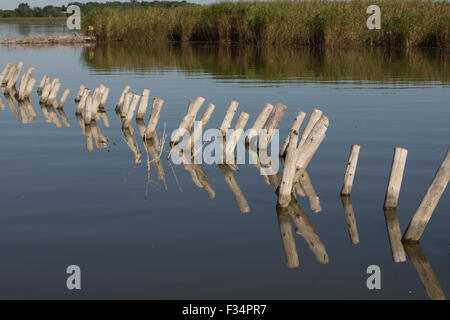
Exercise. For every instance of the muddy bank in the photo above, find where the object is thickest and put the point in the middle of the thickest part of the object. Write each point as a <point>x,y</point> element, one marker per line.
<point>52,39</point>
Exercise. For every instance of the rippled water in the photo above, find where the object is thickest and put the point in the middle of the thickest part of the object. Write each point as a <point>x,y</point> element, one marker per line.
<point>62,205</point>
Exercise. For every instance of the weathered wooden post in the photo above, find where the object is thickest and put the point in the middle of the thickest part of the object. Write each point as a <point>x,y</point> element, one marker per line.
<point>126,104</point>
<point>130,112</point>
<point>274,121</point>
<point>53,93</point>
<point>188,120</point>
<point>104,98</point>
<point>143,106</point>
<point>226,123</point>
<point>289,170</point>
<point>64,97</point>
<point>30,85</point>
<point>122,97</point>
<point>82,102</point>
<point>42,84</point>
<point>304,156</point>
<point>5,73</point>
<point>79,93</point>
<point>23,83</point>
<point>351,169</point>
<point>234,138</point>
<point>9,76</point>
<point>45,93</point>
<point>154,116</point>
<point>350,219</point>
<point>429,202</point>
<point>295,126</point>
<point>395,178</point>
<point>260,122</point>
<point>14,77</point>
<point>313,118</point>
<point>89,109</point>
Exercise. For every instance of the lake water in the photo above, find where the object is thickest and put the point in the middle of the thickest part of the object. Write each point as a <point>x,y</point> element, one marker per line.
<point>62,205</point>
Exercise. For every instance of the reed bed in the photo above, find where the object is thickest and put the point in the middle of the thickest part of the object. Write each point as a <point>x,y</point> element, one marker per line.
<point>316,23</point>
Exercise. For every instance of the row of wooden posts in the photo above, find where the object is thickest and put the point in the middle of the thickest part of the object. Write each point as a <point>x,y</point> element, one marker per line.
<point>297,151</point>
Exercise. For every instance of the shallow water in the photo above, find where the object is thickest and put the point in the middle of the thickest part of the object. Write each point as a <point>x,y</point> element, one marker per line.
<point>62,205</point>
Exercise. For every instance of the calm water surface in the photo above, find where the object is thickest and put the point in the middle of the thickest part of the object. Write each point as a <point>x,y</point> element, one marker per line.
<point>61,204</point>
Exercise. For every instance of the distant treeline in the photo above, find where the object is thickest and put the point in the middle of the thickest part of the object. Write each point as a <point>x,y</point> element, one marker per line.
<point>25,11</point>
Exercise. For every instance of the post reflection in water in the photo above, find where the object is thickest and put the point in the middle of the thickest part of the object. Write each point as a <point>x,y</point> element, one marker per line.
<point>395,235</point>
<point>350,218</point>
<point>424,270</point>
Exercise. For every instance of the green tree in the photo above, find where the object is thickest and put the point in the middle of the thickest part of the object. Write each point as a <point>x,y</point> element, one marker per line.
<point>24,10</point>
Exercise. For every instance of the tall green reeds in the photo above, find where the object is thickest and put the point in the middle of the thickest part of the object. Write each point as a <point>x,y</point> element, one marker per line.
<point>333,23</point>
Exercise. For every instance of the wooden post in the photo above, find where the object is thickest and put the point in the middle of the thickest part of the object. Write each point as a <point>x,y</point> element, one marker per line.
<point>350,219</point>
<point>23,83</point>
<point>30,85</point>
<point>351,169</point>
<point>122,97</point>
<point>295,126</point>
<point>313,118</point>
<point>89,109</point>
<point>302,159</point>
<point>234,138</point>
<point>274,121</point>
<point>82,102</point>
<point>53,93</point>
<point>226,123</point>
<point>64,97</point>
<point>424,270</point>
<point>45,93</point>
<point>143,106</point>
<point>188,120</point>
<point>42,84</point>
<point>154,116</point>
<point>79,93</point>
<point>306,152</point>
<point>395,179</point>
<point>126,104</point>
<point>5,72</point>
<point>207,115</point>
<point>287,237</point>
<point>260,122</point>
<point>284,197</point>
<point>14,77</point>
<point>105,95</point>
<point>9,76</point>
<point>130,113</point>
<point>429,202</point>
<point>395,235</point>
